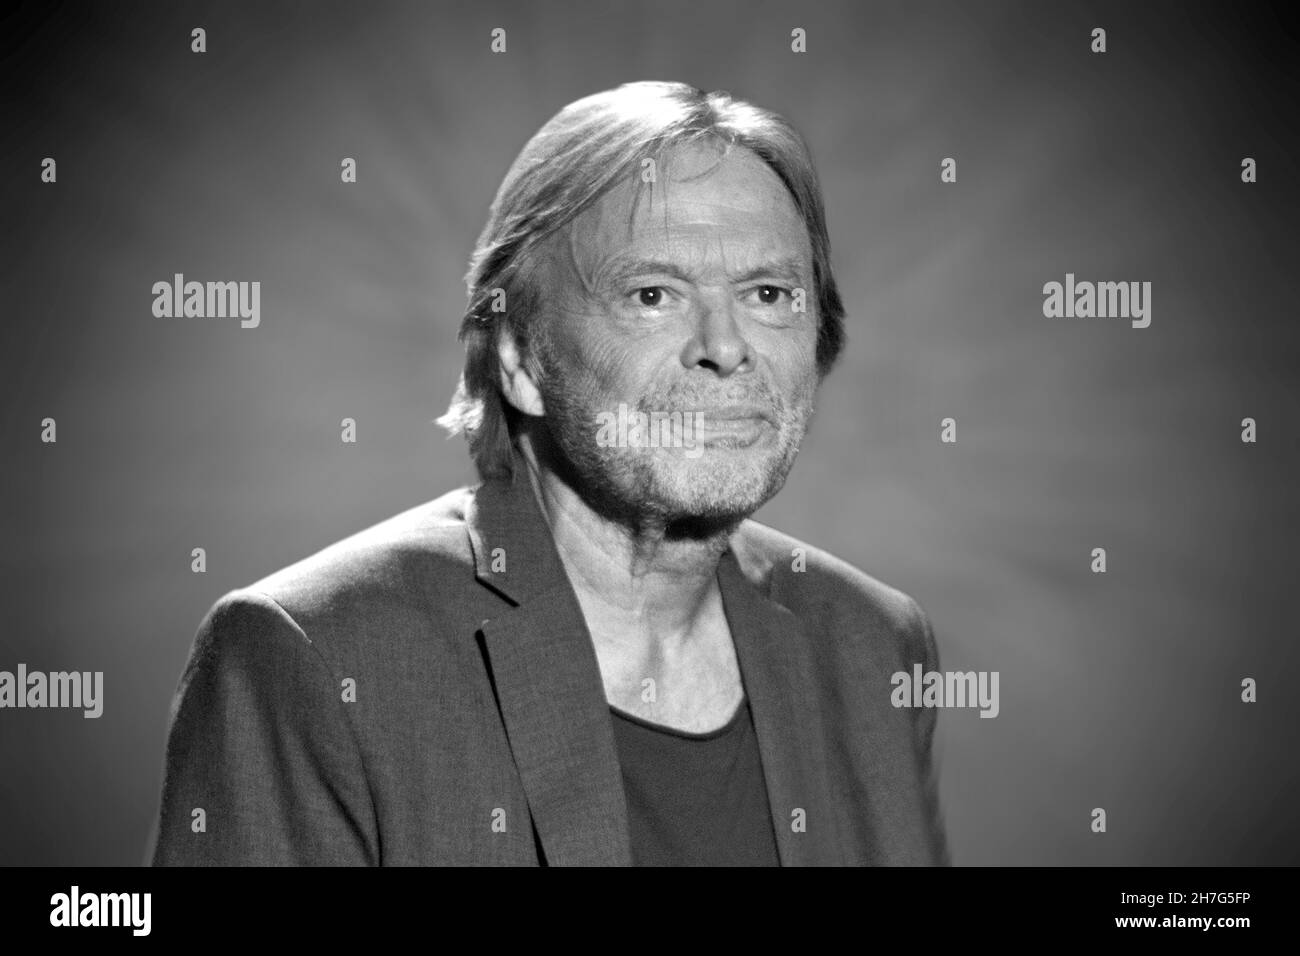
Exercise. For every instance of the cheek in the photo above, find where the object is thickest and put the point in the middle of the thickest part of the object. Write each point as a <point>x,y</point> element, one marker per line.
<point>791,353</point>
<point>594,361</point>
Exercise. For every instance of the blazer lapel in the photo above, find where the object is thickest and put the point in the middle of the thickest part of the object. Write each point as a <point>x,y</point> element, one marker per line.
<point>548,682</point>
<point>777,671</point>
<point>552,699</point>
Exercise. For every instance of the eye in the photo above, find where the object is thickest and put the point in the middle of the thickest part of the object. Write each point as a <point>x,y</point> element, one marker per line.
<point>651,296</point>
<point>771,294</point>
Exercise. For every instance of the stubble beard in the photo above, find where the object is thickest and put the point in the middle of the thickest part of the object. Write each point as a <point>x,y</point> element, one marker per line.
<point>664,488</point>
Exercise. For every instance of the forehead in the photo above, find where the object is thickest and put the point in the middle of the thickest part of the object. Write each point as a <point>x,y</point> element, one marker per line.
<point>705,206</point>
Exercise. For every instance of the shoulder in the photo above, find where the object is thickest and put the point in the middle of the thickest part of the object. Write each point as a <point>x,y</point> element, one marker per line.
<point>433,530</point>
<point>833,598</point>
<point>383,577</point>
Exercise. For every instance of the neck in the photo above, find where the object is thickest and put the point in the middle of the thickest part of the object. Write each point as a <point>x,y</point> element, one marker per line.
<point>635,581</point>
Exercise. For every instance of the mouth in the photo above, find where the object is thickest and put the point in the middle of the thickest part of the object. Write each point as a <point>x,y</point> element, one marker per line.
<point>731,426</point>
<point>728,415</point>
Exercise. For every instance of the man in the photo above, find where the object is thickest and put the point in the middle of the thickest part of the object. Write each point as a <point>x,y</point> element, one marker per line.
<point>594,656</point>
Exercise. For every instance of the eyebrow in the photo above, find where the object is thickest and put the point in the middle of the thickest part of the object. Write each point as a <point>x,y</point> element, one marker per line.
<point>621,269</point>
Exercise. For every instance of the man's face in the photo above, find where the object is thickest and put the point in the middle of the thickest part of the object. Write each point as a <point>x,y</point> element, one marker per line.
<point>682,309</point>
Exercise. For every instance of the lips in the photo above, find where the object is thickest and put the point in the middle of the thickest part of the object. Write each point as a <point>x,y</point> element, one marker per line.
<point>731,426</point>
<point>725,415</point>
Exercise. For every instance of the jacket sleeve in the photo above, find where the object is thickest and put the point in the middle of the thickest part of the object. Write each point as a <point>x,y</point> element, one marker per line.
<point>926,721</point>
<point>262,766</point>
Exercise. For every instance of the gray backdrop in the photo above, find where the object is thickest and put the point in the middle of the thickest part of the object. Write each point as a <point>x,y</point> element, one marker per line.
<point>1118,690</point>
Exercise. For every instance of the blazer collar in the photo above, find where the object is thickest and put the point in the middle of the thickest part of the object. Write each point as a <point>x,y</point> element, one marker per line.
<point>552,697</point>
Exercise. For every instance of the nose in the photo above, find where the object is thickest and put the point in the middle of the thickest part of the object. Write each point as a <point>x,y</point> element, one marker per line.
<point>717,342</point>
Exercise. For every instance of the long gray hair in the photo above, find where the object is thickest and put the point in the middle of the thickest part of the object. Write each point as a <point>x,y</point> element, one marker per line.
<point>568,165</point>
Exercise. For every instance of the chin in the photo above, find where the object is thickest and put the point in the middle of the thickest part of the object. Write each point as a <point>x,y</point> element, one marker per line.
<point>723,483</point>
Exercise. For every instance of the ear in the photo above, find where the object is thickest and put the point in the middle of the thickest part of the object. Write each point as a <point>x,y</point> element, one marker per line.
<point>517,382</point>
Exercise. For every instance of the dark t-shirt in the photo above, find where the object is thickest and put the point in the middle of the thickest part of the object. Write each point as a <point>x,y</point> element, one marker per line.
<point>695,799</point>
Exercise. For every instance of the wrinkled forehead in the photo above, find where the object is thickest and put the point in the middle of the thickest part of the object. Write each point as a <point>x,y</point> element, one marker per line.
<point>702,206</point>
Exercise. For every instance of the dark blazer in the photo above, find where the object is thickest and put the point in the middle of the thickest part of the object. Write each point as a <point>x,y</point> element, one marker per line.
<point>477,730</point>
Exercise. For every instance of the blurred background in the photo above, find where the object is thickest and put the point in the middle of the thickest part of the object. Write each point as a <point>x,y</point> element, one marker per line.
<point>1118,690</point>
